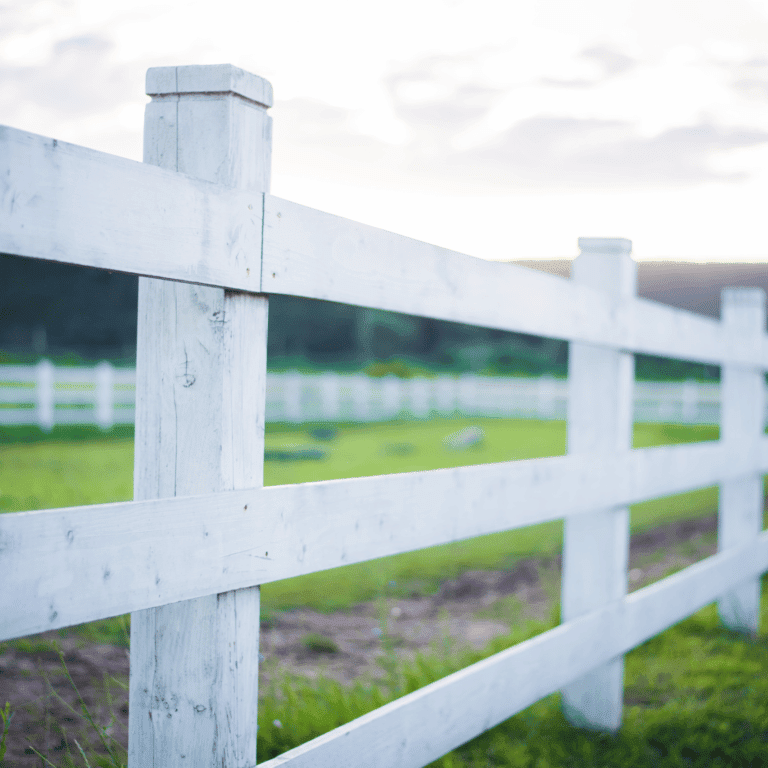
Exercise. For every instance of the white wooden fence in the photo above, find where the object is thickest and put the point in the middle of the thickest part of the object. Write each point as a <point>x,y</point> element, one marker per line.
<point>187,556</point>
<point>45,395</point>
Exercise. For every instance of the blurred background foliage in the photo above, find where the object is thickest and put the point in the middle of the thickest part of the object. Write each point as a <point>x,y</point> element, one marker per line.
<point>78,315</point>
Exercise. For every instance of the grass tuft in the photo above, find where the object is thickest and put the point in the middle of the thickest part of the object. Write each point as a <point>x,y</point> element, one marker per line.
<point>317,643</point>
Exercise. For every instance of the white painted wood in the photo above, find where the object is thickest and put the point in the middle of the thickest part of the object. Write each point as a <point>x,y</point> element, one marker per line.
<point>105,395</point>
<point>74,205</point>
<point>318,255</point>
<point>19,395</point>
<point>596,545</point>
<point>690,399</point>
<point>44,395</point>
<point>166,550</point>
<point>200,394</point>
<point>420,397</point>
<point>422,726</point>
<point>292,391</point>
<point>391,396</point>
<point>329,395</point>
<point>743,408</point>
<point>361,397</point>
<point>20,374</point>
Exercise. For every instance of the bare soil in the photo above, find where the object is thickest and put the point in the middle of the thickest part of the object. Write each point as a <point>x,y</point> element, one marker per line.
<point>345,645</point>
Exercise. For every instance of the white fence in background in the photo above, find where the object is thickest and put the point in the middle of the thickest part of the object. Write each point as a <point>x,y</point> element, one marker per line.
<point>188,555</point>
<point>45,395</point>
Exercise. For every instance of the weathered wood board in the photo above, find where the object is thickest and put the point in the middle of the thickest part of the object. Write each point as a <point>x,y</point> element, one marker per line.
<point>61,202</point>
<point>67,566</point>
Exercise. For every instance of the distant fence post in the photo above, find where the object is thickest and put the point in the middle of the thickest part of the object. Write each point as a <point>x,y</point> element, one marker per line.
<point>200,401</point>
<point>690,401</point>
<point>361,396</point>
<point>292,396</point>
<point>391,396</point>
<point>105,395</point>
<point>741,422</point>
<point>44,395</point>
<point>596,544</point>
<point>546,394</point>
<point>329,395</point>
<point>419,391</point>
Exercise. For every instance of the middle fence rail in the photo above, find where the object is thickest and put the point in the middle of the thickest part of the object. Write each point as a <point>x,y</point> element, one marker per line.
<point>188,555</point>
<point>45,395</point>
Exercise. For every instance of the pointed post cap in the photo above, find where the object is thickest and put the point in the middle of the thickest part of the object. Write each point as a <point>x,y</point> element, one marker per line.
<point>209,79</point>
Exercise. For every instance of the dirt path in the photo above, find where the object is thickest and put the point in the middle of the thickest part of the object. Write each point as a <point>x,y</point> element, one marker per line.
<point>472,609</point>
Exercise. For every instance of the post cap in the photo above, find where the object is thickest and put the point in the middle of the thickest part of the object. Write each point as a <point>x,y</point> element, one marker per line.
<point>209,78</point>
<point>616,245</point>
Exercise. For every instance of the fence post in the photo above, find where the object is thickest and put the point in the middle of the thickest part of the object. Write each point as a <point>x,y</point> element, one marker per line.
<point>742,422</point>
<point>105,395</point>
<point>596,544</point>
<point>44,395</point>
<point>200,401</point>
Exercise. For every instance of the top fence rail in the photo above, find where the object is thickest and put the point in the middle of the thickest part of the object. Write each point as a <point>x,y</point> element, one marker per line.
<point>70,204</point>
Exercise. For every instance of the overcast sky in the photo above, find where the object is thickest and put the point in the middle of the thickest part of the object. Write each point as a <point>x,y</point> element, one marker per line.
<point>500,129</point>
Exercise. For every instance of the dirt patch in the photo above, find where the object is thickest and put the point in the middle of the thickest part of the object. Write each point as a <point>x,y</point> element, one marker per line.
<point>46,704</point>
<point>346,645</point>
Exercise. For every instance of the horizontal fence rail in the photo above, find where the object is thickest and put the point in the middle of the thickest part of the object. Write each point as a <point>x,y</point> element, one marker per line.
<point>46,395</point>
<point>106,212</point>
<point>85,559</point>
<point>187,557</point>
<point>78,206</point>
<point>321,256</point>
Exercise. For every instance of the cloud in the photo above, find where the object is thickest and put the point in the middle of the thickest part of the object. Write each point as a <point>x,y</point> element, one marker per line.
<point>439,100</point>
<point>541,152</point>
<point>78,79</point>
<point>567,152</point>
<point>607,63</point>
<point>753,86</point>
<point>612,61</point>
<point>440,93</point>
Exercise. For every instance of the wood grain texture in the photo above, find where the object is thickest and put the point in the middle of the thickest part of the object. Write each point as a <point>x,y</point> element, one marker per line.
<point>61,202</point>
<point>422,726</point>
<point>596,545</point>
<point>322,256</point>
<point>68,566</point>
<point>740,516</point>
<point>200,402</point>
